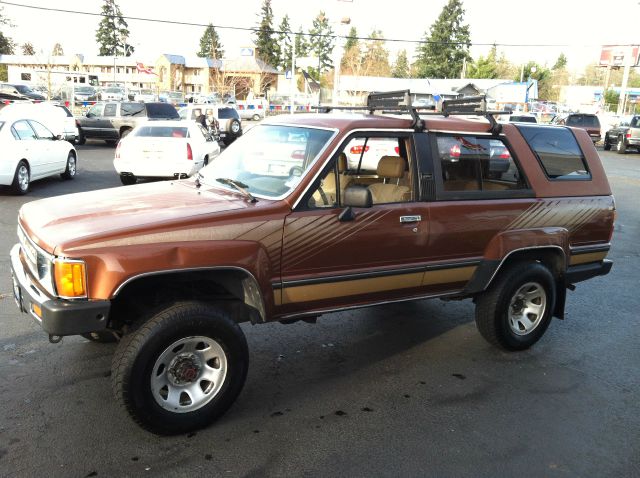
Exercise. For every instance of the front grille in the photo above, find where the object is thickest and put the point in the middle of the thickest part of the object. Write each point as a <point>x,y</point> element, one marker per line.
<point>29,252</point>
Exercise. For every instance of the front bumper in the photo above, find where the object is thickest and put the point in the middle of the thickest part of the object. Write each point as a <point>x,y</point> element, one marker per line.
<point>57,316</point>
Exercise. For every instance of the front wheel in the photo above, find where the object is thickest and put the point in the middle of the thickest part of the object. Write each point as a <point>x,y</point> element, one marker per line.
<point>128,180</point>
<point>622,145</point>
<point>71,169</point>
<point>80,139</point>
<point>607,144</point>
<point>515,311</point>
<point>182,369</point>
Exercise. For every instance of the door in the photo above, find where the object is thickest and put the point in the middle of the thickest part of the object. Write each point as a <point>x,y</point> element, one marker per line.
<point>90,124</point>
<point>53,160</point>
<point>331,258</point>
<point>29,147</point>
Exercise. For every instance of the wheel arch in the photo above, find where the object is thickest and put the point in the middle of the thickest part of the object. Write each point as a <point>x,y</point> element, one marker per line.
<point>234,288</point>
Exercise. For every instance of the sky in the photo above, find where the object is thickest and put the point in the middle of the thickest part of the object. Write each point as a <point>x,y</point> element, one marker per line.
<point>576,25</point>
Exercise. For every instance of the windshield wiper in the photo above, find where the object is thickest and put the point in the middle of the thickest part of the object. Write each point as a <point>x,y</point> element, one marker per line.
<point>238,186</point>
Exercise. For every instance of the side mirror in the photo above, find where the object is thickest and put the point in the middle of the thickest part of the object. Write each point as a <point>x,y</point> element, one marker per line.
<point>357,196</point>
<point>58,137</point>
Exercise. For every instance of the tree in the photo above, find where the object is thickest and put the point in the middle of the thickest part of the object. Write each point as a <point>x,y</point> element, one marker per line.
<point>57,50</point>
<point>210,46</point>
<point>302,45</point>
<point>6,44</point>
<point>27,49</point>
<point>321,41</point>
<point>352,39</point>
<point>492,66</point>
<point>401,66</point>
<point>266,44</point>
<point>376,57</point>
<point>611,99</point>
<point>542,74</point>
<point>352,51</point>
<point>285,43</point>
<point>113,31</point>
<point>446,46</point>
<point>561,62</point>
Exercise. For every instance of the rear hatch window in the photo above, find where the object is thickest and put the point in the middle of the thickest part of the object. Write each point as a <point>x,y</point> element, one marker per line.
<point>228,113</point>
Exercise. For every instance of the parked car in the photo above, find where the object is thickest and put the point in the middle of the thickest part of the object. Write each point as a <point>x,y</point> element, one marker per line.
<point>164,149</point>
<point>55,117</point>
<point>111,94</point>
<point>229,121</point>
<point>172,97</point>
<point>170,269</point>
<point>523,118</point>
<point>30,151</point>
<point>114,120</point>
<point>145,96</point>
<point>588,122</point>
<point>10,93</point>
<point>85,93</point>
<point>26,90</point>
<point>624,135</point>
<point>252,109</point>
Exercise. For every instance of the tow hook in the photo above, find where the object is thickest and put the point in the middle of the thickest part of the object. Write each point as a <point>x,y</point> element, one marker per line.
<point>55,339</point>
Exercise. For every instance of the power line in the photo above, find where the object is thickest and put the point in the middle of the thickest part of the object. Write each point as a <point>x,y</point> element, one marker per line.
<point>319,35</point>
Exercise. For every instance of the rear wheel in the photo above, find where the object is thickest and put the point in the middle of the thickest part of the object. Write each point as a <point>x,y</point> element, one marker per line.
<point>70,171</point>
<point>622,145</point>
<point>128,180</point>
<point>80,139</point>
<point>21,179</point>
<point>515,311</point>
<point>182,369</point>
<point>256,117</point>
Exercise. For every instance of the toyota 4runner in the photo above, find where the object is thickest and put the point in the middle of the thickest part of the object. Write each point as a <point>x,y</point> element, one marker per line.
<point>293,221</point>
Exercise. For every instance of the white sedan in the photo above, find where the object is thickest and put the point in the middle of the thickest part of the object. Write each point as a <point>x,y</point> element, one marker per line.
<point>164,149</point>
<point>31,151</point>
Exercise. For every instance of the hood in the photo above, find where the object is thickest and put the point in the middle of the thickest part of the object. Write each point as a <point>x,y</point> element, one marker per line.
<point>82,218</point>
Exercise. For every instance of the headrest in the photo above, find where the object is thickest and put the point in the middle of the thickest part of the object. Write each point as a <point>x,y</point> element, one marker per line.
<point>342,163</point>
<point>391,167</point>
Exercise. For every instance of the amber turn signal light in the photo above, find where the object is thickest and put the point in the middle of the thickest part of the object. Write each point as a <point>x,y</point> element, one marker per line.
<point>70,279</point>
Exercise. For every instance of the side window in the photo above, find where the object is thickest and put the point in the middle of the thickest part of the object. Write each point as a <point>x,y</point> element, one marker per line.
<point>42,131</point>
<point>381,164</point>
<point>22,131</point>
<point>470,163</point>
<point>131,109</point>
<point>635,122</point>
<point>558,152</point>
<point>110,109</point>
<point>95,110</point>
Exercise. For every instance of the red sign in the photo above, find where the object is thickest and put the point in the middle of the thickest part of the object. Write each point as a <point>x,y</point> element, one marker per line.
<point>145,69</point>
<point>615,55</point>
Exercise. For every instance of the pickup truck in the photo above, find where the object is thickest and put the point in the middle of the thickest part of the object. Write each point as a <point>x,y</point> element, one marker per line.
<point>282,227</point>
<point>111,121</point>
<point>624,135</point>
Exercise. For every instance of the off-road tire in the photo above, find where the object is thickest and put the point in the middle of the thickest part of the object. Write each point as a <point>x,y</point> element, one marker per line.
<point>72,167</point>
<point>102,337</point>
<point>138,352</point>
<point>128,180</point>
<point>622,145</point>
<point>493,305</point>
<point>19,186</point>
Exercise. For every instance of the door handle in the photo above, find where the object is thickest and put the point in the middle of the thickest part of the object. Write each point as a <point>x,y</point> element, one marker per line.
<point>405,219</point>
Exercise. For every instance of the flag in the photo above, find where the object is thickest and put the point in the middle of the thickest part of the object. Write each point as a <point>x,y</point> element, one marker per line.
<point>145,69</point>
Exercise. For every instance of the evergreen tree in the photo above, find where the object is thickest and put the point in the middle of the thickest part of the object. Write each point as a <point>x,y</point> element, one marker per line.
<point>401,66</point>
<point>376,57</point>
<point>27,49</point>
<point>210,45</point>
<point>302,45</point>
<point>266,44</point>
<point>321,43</point>
<point>352,39</point>
<point>446,45</point>
<point>561,62</point>
<point>285,44</point>
<point>6,44</point>
<point>485,67</point>
<point>113,31</point>
<point>57,50</point>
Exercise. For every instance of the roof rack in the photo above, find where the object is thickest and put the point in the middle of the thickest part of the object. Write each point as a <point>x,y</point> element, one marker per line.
<point>399,102</point>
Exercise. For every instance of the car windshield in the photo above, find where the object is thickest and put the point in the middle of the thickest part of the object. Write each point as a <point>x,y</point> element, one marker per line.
<point>146,92</point>
<point>84,89</point>
<point>161,132</point>
<point>270,160</point>
<point>113,90</point>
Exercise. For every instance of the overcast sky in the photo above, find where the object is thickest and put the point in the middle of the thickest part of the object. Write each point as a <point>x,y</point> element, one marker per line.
<point>579,24</point>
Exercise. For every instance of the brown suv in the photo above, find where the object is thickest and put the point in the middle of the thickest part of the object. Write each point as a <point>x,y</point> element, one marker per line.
<point>295,221</point>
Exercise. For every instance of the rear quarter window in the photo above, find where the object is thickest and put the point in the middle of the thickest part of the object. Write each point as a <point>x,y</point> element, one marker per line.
<point>557,151</point>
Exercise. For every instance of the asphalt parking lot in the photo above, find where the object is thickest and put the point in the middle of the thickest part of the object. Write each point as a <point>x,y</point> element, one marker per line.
<point>401,390</point>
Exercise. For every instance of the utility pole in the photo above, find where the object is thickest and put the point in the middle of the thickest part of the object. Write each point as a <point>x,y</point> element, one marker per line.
<point>293,87</point>
<point>625,79</point>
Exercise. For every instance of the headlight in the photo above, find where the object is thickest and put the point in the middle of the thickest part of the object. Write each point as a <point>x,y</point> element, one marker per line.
<point>70,278</point>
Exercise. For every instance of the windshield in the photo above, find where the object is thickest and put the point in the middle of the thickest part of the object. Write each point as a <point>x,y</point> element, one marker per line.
<point>269,160</point>
<point>161,132</point>
<point>113,90</point>
<point>84,89</point>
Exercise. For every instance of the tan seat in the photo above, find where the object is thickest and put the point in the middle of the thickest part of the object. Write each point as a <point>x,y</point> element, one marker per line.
<point>390,168</point>
<point>328,184</point>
